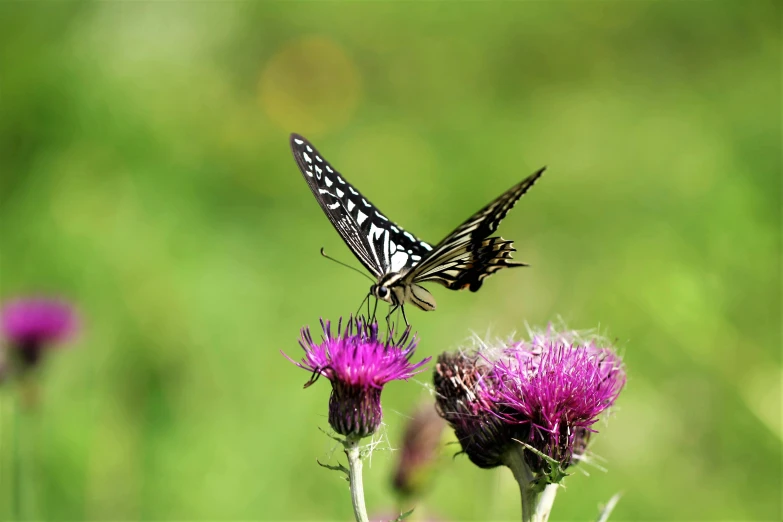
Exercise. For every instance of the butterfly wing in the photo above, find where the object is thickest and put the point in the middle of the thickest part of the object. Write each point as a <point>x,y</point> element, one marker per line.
<point>379,244</point>
<point>468,255</point>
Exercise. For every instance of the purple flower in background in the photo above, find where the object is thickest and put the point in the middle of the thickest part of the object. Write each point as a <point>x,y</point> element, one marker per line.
<point>358,362</point>
<point>419,451</point>
<point>33,325</point>
<point>553,389</point>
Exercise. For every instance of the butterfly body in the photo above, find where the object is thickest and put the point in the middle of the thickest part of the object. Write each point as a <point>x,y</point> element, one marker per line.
<point>397,259</point>
<point>399,294</point>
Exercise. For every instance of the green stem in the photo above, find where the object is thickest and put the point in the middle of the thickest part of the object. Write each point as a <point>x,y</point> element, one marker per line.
<point>514,459</point>
<point>536,504</point>
<point>545,502</point>
<point>353,452</point>
<point>5,415</point>
<point>16,458</point>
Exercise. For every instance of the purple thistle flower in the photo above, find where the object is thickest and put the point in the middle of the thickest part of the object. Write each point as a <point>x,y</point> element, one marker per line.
<point>32,325</point>
<point>553,389</point>
<point>546,393</point>
<point>484,437</point>
<point>358,363</point>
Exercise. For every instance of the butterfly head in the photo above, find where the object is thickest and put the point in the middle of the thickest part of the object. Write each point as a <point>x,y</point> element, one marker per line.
<point>384,293</point>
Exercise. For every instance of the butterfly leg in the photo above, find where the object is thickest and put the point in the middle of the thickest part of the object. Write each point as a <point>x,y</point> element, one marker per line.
<point>375,309</point>
<point>398,309</point>
<point>388,316</point>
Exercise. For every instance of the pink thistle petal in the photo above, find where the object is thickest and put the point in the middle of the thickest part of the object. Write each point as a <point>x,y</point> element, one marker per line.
<point>28,322</point>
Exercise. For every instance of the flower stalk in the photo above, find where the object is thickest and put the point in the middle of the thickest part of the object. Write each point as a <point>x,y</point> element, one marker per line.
<point>545,503</point>
<point>515,461</point>
<point>16,458</point>
<point>354,453</point>
<point>537,498</point>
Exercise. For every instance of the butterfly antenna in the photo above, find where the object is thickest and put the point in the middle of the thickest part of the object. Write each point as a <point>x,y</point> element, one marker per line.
<point>330,258</point>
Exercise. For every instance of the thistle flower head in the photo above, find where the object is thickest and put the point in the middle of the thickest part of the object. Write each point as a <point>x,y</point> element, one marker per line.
<point>358,362</point>
<point>545,393</point>
<point>32,325</point>
<point>553,388</point>
<point>484,437</point>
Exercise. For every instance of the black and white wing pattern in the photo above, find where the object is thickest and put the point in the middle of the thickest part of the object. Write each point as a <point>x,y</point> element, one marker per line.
<point>381,245</point>
<point>468,255</point>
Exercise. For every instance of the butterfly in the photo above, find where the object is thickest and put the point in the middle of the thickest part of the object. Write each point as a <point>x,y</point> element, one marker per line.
<point>397,259</point>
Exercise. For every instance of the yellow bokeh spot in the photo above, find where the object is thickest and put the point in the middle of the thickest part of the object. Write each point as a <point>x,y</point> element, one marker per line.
<point>310,86</point>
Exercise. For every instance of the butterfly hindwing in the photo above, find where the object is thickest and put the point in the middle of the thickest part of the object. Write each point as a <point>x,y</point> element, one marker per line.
<point>381,245</point>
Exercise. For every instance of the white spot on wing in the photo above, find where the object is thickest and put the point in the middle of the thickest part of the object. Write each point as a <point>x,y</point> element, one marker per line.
<point>353,191</point>
<point>365,203</point>
<point>374,235</point>
<point>308,148</point>
<point>340,193</point>
<point>351,204</point>
<point>425,245</point>
<point>328,181</point>
<point>340,180</point>
<point>334,205</point>
<point>398,261</point>
<point>360,217</point>
<point>309,173</point>
<point>307,158</point>
<point>409,236</point>
<point>396,230</point>
<point>298,141</point>
<point>414,257</point>
<point>318,158</point>
<point>381,216</point>
<point>329,169</point>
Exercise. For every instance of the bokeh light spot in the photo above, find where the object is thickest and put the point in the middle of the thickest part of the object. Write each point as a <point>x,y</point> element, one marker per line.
<point>310,86</point>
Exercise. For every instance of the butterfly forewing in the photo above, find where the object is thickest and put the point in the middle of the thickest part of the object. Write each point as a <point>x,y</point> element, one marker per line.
<point>467,255</point>
<point>381,245</point>
<point>486,221</point>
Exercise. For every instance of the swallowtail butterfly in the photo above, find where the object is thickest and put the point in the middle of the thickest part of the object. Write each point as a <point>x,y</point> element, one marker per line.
<point>398,259</point>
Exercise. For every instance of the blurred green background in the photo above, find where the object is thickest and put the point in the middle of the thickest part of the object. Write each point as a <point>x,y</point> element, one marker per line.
<point>146,176</point>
